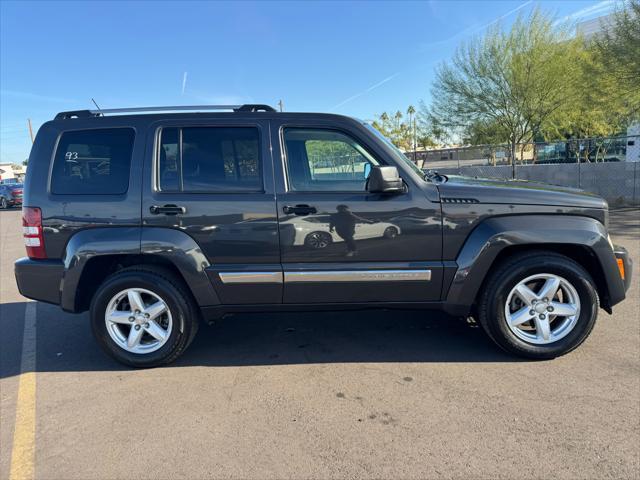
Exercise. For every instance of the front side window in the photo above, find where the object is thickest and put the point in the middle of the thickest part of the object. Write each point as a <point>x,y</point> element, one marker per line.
<point>209,160</point>
<point>93,162</point>
<point>325,160</point>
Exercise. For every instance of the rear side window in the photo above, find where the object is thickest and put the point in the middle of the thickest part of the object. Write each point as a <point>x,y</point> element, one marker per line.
<point>209,160</point>
<point>94,162</point>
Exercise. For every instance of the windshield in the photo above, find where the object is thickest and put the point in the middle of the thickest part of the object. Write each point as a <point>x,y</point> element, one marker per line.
<point>396,151</point>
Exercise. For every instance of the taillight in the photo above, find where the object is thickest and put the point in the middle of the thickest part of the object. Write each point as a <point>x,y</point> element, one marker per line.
<point>32,232</point>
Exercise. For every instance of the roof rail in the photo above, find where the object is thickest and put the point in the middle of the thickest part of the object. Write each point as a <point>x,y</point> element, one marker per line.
<point>191,108</point>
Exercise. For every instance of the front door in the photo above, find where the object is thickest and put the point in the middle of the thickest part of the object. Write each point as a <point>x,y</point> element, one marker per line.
<point>339,243</point>
<point>212,179</point>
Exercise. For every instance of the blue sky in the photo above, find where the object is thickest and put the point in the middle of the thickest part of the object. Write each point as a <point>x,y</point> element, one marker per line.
<point>354,58</point>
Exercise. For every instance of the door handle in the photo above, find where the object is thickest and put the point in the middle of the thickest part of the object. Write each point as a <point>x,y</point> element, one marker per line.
<point>167,210</point>
<point>299,209</point>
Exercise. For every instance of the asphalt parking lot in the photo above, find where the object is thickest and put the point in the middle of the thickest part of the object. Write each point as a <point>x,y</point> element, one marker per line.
<point>372,394</point>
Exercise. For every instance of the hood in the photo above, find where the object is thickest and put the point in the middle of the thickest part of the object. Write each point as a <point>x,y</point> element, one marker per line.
<point>515,192</point>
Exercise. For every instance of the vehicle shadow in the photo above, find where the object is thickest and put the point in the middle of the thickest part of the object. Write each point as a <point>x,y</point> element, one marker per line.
<point>65,343</point>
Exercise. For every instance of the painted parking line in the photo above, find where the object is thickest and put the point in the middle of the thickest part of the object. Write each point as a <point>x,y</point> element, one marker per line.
<point>23,450</point>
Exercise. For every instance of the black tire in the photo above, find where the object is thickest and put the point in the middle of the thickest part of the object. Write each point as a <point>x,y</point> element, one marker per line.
<point>318,240</point>
<point>162,282</point>
<point>3,203</point>
<point>508,274</point>
<point>390,232</point>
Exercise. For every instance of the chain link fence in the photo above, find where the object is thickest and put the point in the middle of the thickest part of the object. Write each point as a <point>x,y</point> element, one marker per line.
<point>609,167</point>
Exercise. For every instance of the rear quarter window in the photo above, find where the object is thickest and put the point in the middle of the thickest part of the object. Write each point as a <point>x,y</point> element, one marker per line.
<point>93,162</point>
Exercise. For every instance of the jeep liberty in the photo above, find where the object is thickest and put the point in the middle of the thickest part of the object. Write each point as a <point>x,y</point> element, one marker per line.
<point>156,219</point>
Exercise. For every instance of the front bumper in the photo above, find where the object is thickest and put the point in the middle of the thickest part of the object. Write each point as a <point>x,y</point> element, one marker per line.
<point>622,255</point>
<point>39,279</point>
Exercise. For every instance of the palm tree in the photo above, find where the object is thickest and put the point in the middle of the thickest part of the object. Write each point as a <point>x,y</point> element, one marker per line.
<point>411,111</point>
<point>398,117</point>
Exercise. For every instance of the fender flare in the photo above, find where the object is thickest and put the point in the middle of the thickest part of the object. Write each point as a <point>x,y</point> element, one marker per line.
<point>182,251</point>
<point>493,235</point>
<point>172,245</point>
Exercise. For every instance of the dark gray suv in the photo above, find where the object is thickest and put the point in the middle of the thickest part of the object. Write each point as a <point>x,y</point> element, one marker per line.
<point>155,220</point>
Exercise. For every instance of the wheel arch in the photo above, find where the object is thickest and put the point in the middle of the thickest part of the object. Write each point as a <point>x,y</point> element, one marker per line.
<point>98,268</point>
<point>581,254</point>
<point>582,239</point>
<point>93,254</point>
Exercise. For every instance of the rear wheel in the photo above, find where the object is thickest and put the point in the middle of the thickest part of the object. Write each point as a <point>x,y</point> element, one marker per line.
<point>143,317</point>
<point>539,305</point>
<point>390,232</point>
<point>3,203</point>
<point>318,240</point>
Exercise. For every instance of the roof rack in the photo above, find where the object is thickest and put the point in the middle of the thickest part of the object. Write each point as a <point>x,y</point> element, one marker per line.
<point>192,108</point>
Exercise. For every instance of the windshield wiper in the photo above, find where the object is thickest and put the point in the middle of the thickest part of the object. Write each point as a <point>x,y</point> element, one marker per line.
<point>435,177</point>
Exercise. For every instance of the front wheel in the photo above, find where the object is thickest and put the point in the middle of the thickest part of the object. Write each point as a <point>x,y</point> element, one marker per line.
<point>143,317</point>
<point>539,305</point>
<point>3,203</point>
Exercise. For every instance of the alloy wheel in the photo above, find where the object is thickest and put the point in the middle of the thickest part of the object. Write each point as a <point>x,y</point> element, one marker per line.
<point>542,309</point>
<point>138,320</point>
<point>318,240</point>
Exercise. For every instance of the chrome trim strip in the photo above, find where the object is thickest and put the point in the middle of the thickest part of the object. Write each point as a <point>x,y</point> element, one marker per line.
<point>250,277</point>
<point>357,276</point>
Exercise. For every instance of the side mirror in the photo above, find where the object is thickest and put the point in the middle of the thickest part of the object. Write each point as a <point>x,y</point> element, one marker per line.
<point>384,180</point>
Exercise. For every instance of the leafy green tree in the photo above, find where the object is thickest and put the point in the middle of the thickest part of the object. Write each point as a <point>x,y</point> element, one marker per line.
<point>617,51</point>
<point>406,135</point>
<point>484,133</point>
<point>512,80</point>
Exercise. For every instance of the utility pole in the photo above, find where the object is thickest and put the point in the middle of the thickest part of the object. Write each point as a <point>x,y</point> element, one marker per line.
<point>30,129</point>
<point>281,105</point>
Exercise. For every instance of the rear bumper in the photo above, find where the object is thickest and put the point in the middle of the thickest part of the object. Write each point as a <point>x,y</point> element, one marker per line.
<point>39,279</point>
<point>627,264</point>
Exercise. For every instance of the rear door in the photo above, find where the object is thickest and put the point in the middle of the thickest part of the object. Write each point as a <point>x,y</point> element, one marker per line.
<point>338,242</point>
<point>213,180</point>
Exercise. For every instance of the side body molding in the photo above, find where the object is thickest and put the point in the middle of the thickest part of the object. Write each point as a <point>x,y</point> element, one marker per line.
<point>495,234</point>
<point>88,244</point>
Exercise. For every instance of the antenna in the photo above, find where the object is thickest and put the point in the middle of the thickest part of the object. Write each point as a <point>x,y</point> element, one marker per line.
<point>281,105</point>
<point>94,102</point>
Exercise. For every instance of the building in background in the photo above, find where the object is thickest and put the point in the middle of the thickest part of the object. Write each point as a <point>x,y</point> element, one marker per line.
<point>12,171</point>
<point>590,28</point>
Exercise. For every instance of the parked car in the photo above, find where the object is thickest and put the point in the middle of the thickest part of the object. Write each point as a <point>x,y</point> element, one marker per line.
<point>154,221</point>
<point>10,195</point>
<point>319,231</point>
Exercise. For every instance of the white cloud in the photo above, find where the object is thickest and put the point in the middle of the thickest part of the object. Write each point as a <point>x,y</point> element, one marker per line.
<point>367,90</point>
<point>600,8</point>
<point>466,31</point>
